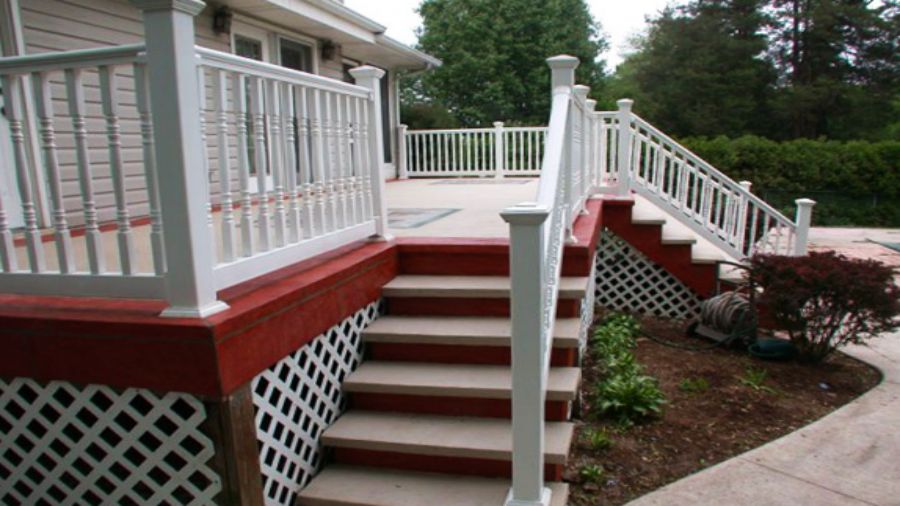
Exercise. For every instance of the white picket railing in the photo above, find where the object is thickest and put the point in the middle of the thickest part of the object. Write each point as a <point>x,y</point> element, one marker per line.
<point>713,205</point>
<point>499,151</point>
<point>235,167</point>
<point>538,232</point>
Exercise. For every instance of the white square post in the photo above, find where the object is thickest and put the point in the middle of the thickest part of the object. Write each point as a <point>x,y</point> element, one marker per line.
<point>623,160</point>
<point>402,159</point>
<point>175,105</point>
<point>370,78</point>
<point>499,150</point>
<point>803,221</point>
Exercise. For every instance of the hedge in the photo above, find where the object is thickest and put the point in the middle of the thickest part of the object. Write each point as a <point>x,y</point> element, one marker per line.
<point>854,183</point>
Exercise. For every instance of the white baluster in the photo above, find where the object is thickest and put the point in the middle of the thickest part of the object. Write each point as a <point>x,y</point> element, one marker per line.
<point>224,156</point>
<point>109,93</point>
<point>318,161</point>
<point>7,246</point>
<point>289,115</point>
<point>44,108</point>
<point>499,154</point>
<point>340,175</point>
<point>306,154</point>
<point>92,236</point>
<point>147,143</point>
<point>239,90</point>
<point>259,150</point>
<point>275,143</point>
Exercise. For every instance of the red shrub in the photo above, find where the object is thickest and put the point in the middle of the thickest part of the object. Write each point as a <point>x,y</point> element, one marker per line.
<point>826,300</point>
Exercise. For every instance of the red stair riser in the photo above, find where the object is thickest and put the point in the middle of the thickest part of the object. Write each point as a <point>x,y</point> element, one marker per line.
<point>454,354</point>
<point>556,411</point>
<point>450,306</point>
<point>433,464</point>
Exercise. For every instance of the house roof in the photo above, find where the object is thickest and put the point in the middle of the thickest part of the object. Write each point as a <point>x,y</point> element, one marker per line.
<point>360,37</point>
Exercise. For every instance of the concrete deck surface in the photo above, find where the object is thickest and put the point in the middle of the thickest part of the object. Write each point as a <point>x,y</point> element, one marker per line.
<point>850,457</point>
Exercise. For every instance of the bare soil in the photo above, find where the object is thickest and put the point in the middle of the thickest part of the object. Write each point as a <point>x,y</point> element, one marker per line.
<point>701,428</point>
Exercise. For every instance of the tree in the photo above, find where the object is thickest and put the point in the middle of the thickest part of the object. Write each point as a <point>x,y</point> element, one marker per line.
<point>494,52</point>
<point>699,70</point>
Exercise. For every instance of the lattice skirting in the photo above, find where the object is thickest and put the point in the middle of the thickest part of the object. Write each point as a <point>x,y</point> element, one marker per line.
<point>298,398</point>
<point>67,444</point>
<point>626,280</point>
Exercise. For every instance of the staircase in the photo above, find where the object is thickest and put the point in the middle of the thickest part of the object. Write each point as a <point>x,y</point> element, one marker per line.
<point>428,418</point>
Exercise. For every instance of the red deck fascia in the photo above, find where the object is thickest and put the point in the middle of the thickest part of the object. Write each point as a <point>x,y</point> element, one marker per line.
<point>124,343</point>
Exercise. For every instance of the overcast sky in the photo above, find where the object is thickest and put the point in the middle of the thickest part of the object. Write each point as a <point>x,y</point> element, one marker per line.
<point>620,19</point>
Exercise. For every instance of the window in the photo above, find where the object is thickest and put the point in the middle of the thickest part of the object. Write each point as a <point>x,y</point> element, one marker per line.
<point>248,47</point>
<point>295,55</point>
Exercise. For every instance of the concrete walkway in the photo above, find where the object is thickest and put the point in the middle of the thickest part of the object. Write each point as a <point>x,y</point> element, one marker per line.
<point>850,457</point>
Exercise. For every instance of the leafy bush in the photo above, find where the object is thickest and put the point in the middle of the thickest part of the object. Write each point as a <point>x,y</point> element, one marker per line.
<point>599,440</point>
<point>825,300</point>
<point>856,182</point>
<point>593,473</point>
<point>625,393</point>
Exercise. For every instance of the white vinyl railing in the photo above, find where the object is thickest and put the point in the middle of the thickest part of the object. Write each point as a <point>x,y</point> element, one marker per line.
<point>713,205</point>
<point>175,171</point>
<point>538,232</point>
<point>499,151</point>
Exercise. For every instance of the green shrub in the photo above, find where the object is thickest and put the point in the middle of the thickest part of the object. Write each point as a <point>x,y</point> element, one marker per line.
<point>593,473</point>
<point>598,440</point>
<point>629,397</point>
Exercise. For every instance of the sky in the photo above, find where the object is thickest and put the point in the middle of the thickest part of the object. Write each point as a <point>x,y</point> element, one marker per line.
<point>619,19</point>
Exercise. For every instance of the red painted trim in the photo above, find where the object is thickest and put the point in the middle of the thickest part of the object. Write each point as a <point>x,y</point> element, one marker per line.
<point>435,464</point>
<point>452,354</point>
<point>557,411</point>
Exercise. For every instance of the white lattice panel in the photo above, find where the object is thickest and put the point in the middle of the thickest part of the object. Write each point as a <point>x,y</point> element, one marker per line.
<point>65,444</point>
<point>626,280</point>
<point>588,305</point>
<point>298,398</point>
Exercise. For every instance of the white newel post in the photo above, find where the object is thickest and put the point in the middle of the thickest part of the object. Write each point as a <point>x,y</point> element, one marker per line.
<point>172,64</point>
<point>803,220</point>
<point>527,275</point>
<point>499,150</point>
<point>562,80</point>
<point>623,160</point>
<point>370,78</point>
<point>402,160</point>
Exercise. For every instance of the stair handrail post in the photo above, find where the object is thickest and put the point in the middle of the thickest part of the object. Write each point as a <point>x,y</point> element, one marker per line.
<point>183,192</point>
<point>370,78</point>
<point>562,80</point>
<point>623,161</point>
<point>499,150</point>
<point>527,274</point>
<point>402,160</point>
<point>802,223</point>
<point>742,215</point>
<point>593,171</point>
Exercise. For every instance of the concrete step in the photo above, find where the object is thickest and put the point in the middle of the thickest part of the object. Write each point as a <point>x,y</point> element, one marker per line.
<point>453,380</point>
<point>460,331</point>
<point>440,436</point>
<point>367,486</point>
<point>475,287</point>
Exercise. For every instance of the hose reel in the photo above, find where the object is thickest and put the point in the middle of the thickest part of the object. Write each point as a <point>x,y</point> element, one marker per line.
<point>727,317</point>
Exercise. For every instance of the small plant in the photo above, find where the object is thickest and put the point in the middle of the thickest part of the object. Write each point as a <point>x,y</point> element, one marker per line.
<point>694,385</point>
<point>593,473</point>
<point>756,379</point>
<point>632,397</point>
<point>825,300</point>
<point>615,335</point>
<point>599,439</point>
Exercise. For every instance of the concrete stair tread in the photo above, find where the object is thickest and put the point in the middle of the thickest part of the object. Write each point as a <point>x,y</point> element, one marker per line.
<point>645,213</point>
<point>490,287</point>
<point>460,331</point>
<point>453,380</point>
<point>339,485</point>
<point>445,436</point>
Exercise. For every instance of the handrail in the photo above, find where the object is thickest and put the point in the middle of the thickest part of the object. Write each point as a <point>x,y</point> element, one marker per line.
<point>58,60</point>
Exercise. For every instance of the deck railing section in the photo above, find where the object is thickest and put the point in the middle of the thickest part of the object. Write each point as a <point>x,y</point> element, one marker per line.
<point>713,205</point>
<point>538,232</point>
<point>75,94</point>
<point>499,151</point>
<point>237,167</point>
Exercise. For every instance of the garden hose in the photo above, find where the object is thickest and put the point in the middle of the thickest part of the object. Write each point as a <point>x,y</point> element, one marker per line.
<point>730,314</point>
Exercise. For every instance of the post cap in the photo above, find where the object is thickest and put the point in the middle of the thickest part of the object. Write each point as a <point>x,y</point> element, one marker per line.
<point>366,71</point>
<point>498,124</point>
<point>591,103</point>
<point>192,7</point>
<point>581,90</point>
<point>805,202</point>
<point>525,213</point>
<point>562,61</point>
<point>624,104</point>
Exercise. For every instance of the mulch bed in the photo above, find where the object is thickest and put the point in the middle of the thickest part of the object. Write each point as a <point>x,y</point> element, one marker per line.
<point>700,429</point>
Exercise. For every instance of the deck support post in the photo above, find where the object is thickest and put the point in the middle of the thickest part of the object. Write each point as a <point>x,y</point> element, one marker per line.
<point>499,150</point>
<point>175,104</point>
<point>370,78</point>
<point>803,221</point>
<point>402,160</point>
<point>623,160</point>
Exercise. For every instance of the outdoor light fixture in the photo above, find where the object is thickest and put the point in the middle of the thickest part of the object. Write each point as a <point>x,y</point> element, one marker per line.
<point>222,20</point>
<point>328,49</point>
